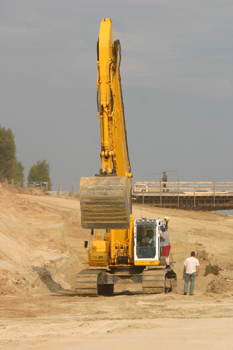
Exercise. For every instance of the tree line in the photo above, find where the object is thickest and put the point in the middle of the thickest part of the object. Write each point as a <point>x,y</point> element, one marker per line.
<point>12,169</point>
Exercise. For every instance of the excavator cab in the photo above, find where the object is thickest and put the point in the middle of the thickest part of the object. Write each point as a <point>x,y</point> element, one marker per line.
<point>147,242</point>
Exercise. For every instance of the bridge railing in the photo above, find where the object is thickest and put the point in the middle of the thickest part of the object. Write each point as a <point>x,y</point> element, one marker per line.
<point>178,187</point>
<point>144,187</point>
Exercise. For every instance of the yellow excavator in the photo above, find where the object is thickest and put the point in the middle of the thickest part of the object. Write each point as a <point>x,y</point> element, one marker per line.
<point>122,255</point>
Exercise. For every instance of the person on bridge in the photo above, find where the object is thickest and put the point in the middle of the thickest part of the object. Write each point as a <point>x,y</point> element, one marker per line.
<point>165,244</point>
<point>164,179</point>
<point>191,268</point>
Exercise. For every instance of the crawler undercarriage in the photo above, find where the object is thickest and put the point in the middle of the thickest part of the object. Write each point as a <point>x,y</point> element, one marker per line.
<point>94,282</point>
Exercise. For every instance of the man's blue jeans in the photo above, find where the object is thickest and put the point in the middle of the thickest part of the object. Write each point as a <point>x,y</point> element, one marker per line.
<point>189,277</point>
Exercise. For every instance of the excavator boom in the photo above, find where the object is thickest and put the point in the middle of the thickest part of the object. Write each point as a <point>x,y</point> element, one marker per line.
<point>105,199</point>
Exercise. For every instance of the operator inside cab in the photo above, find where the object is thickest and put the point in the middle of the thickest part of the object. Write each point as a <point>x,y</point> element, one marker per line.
<point>148,239</point>
<point>145,242</point>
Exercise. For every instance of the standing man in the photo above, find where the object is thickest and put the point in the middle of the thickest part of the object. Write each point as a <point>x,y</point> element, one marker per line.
<point>164,179</point>
<point>165,244</point>
<point>191,268</point>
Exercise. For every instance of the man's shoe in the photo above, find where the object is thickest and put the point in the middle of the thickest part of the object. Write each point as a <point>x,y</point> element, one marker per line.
<point>185,293</point>
<point>168,267</point>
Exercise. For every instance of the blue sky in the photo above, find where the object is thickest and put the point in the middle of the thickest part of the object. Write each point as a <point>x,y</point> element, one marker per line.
<point>177,79</point>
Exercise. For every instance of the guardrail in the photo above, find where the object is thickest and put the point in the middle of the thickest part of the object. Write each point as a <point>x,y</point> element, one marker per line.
<point>185,195</point>
<point>38,184</point>
<point>194,195</point>
<point>56,188</point>
<point>178,187</point>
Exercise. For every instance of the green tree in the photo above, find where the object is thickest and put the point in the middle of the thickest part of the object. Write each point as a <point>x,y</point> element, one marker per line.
<point>40,172</point>
<point>7,153</point>
<point>18,171</point>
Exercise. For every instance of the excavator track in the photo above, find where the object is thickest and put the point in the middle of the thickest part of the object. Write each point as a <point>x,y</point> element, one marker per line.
<point>86,283</point>
<point>91,283</point>
<point>160,280</point>
<point>153,281</point>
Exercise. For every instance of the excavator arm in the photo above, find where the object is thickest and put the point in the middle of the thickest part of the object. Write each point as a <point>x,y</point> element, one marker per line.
<point>106,198</point>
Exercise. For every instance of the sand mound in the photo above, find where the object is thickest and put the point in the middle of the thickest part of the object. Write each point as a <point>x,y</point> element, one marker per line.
<point>27,190</point>
<point>31,260</point>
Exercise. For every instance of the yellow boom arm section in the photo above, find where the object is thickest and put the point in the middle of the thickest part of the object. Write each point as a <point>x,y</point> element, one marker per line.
<point>114,149</point>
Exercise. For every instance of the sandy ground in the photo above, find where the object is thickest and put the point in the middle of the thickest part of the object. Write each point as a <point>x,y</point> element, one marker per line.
<point>41,250</point>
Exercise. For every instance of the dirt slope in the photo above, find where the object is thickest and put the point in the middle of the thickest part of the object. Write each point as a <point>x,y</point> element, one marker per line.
<point>41,250</point>
<point>41,240</point>
<point>39,243</point>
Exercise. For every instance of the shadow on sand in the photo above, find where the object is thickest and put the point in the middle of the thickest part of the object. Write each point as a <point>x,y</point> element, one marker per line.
<point>58,290</point>
<point>54,287</point>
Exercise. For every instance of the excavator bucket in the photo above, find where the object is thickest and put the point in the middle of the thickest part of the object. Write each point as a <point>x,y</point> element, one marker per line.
<point>105,202</point>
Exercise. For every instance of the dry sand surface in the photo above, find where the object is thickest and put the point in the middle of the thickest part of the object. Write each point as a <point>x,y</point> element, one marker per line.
<point>41,250</point>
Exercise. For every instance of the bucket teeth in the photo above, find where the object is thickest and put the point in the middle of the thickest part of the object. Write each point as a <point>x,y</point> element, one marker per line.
<point>105,202</point>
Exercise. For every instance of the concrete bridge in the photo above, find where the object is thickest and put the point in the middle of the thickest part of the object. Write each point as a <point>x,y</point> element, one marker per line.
<point>205,196</point>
